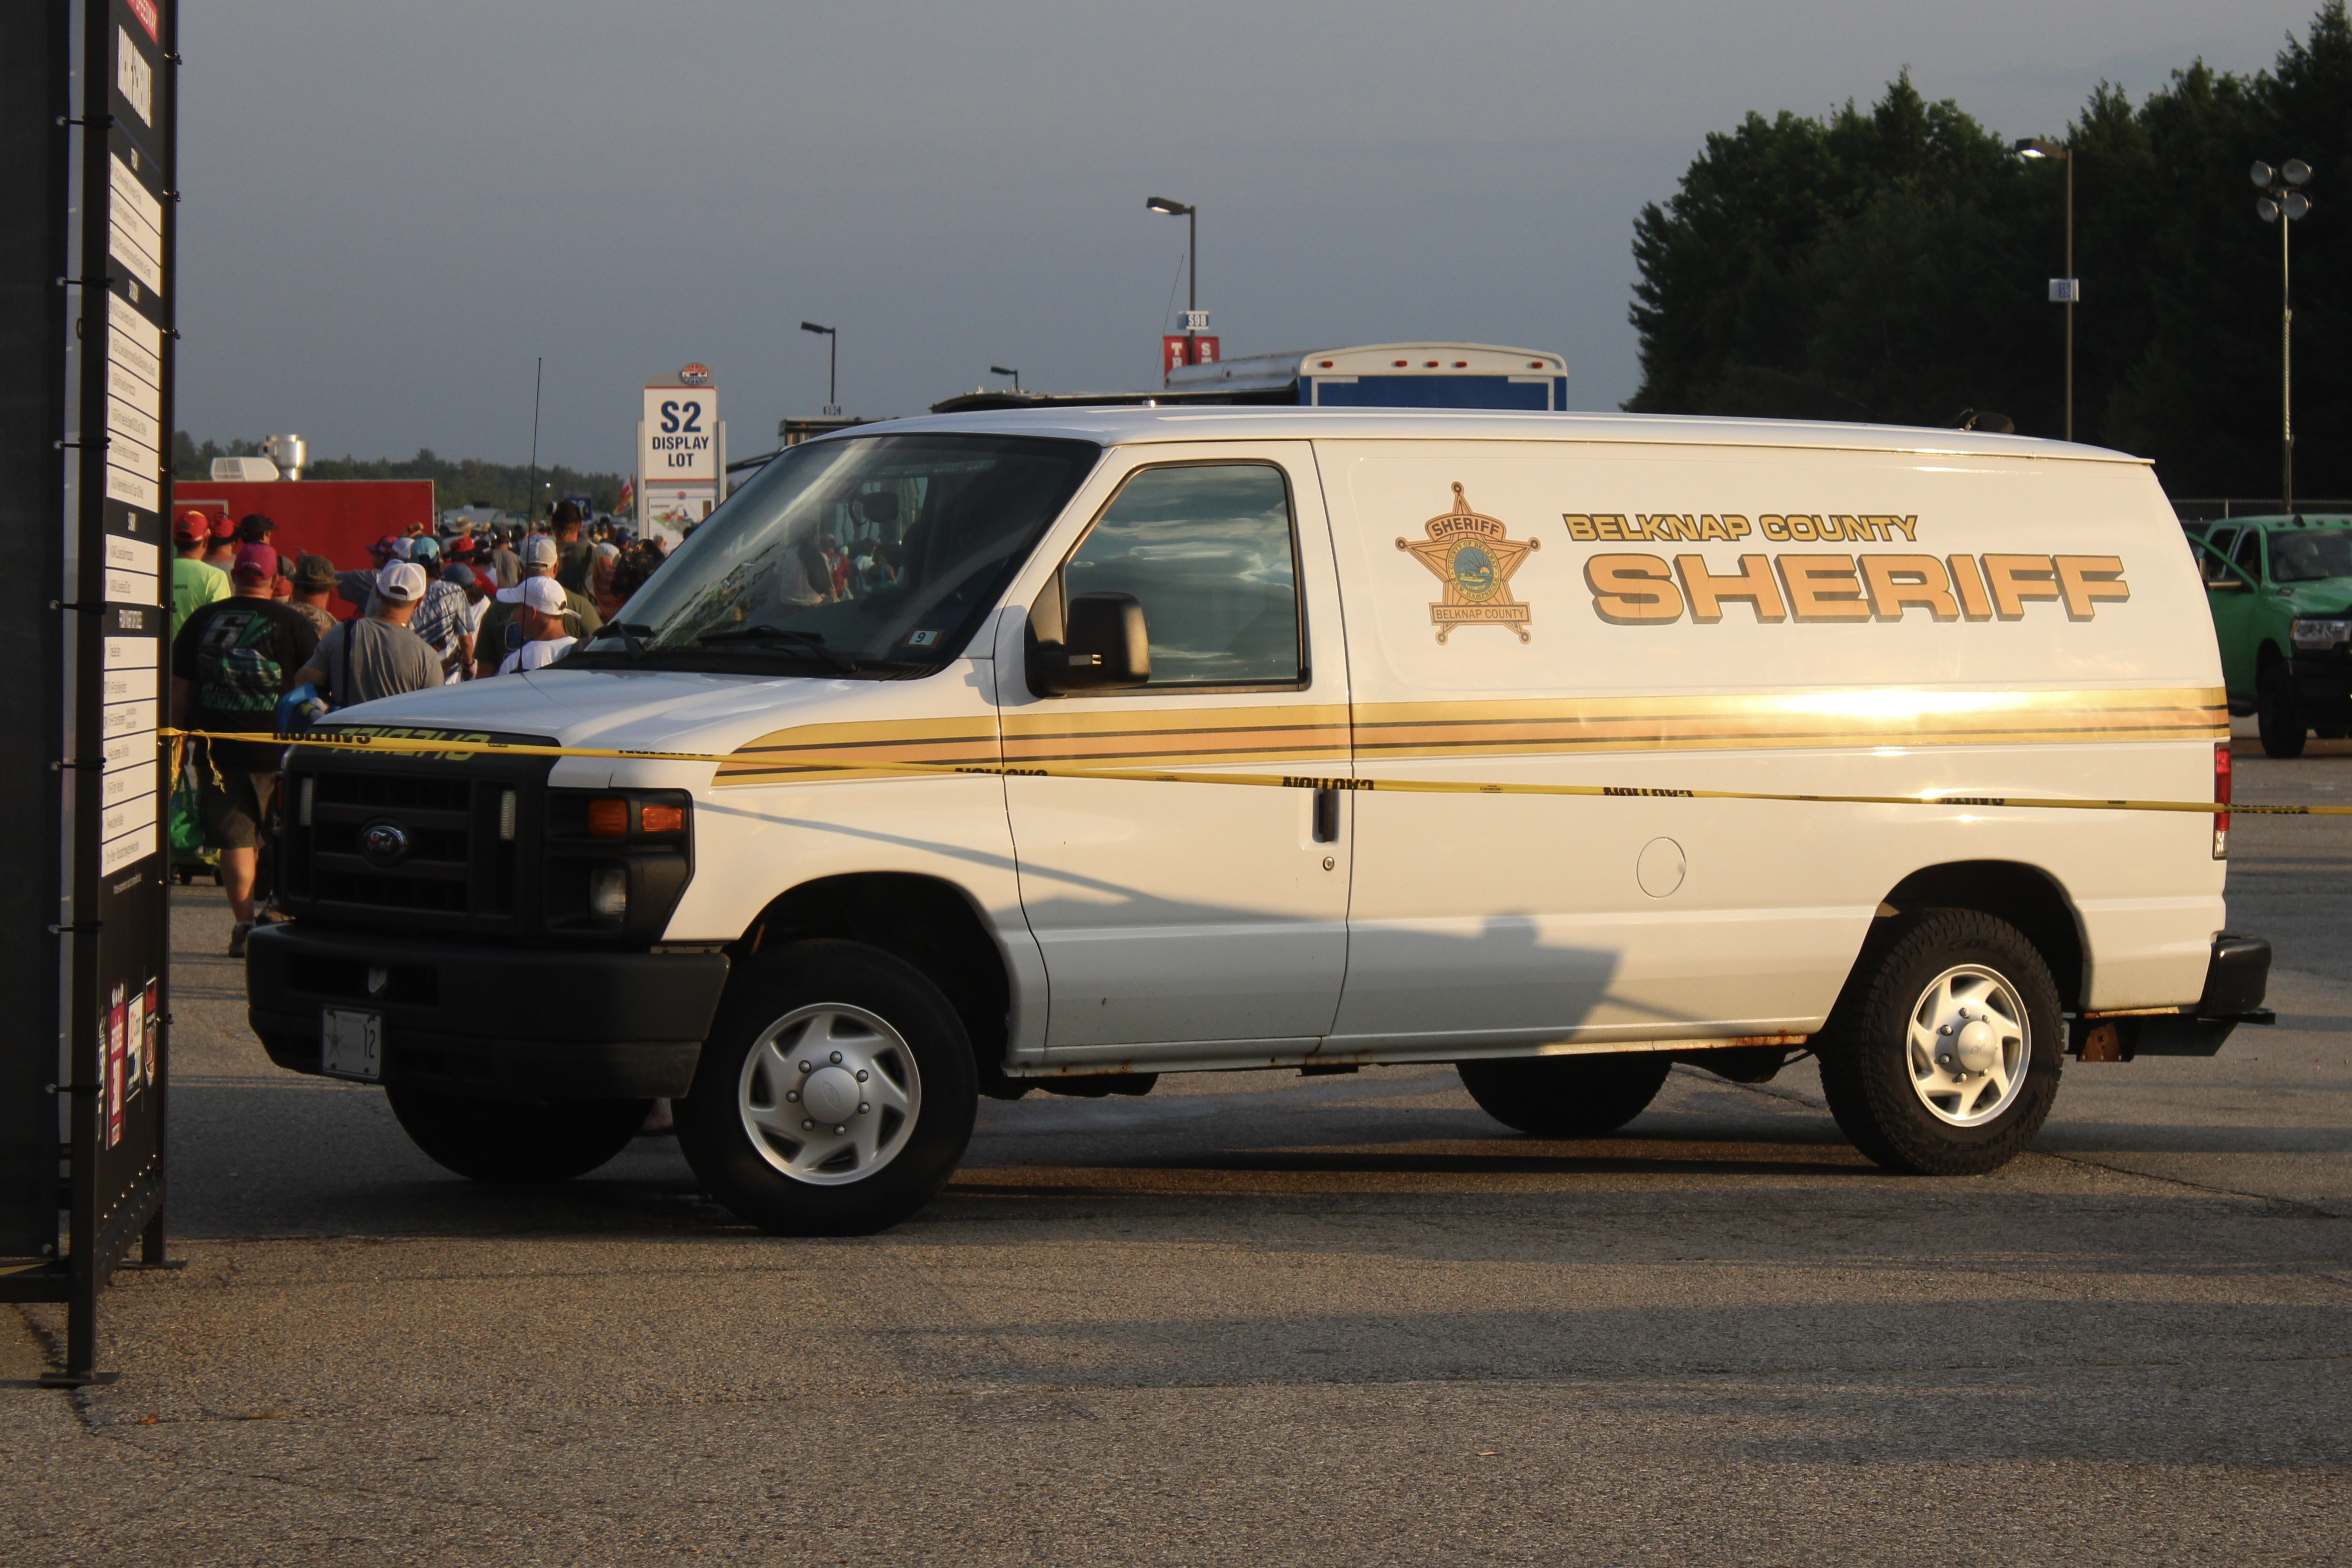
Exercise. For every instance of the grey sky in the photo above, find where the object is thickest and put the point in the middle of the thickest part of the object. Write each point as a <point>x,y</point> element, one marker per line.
<point>391,209</point>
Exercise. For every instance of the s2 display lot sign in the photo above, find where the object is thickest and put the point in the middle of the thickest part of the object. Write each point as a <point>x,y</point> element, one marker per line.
<point>679,439</point>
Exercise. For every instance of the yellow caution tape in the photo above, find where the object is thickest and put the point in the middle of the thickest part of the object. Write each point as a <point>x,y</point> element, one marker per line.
<point>398,743</point>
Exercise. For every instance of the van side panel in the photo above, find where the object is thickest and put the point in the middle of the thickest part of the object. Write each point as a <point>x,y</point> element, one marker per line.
<point>1749,618</point>
<point>767,823</point>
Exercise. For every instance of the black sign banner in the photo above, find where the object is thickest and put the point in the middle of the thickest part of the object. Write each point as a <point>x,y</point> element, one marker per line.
<point>105,320</point>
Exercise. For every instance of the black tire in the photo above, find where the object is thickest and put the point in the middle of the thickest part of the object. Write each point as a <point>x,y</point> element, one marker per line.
<point>1566,1097</point>
<point>2278,718</point>
<point>1868,1066</point>
<point>920,1040</point>
<point>510,1140</point>
<point>2278,708</point>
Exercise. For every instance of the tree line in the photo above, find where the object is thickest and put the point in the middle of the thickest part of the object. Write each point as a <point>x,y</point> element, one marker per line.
<point>1890,264</point>
<point>466,481</point>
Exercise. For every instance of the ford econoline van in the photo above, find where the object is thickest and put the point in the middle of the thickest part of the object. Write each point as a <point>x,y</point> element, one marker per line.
<point>834,850</point>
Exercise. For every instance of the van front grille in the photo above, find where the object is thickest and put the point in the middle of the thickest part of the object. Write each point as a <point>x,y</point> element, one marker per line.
<point>427,843</point>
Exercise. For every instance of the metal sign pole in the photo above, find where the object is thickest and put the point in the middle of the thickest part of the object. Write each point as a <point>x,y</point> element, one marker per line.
<point>105,628</point>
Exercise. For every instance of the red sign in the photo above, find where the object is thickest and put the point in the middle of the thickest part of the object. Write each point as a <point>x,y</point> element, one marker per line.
<point>1177,348</point>
<point>145,11</point>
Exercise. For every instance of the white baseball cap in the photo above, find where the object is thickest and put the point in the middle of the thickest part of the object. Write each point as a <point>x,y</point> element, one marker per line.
<point>540,551</point>
<point>544,594</point>
<point>401,582</point>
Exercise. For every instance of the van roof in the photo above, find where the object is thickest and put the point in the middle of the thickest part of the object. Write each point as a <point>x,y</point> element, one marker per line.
<point>1120,425</point>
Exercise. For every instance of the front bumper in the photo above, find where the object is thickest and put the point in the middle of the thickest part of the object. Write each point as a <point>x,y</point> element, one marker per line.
<point>495,1021</point>
<point>2323,685</point>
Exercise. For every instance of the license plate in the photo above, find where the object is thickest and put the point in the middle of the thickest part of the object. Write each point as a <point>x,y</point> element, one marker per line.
<point>351,1043</point>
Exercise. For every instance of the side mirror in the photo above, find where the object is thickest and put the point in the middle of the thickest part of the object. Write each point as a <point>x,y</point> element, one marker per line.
<point>1103,646</point>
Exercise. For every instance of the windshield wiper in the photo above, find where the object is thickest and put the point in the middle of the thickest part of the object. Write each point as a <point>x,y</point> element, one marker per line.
<point>787,636</point>
<point>633,635</point>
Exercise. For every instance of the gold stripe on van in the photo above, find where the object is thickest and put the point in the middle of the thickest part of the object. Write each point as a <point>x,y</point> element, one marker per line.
<point>1877,717</point>
<point>969,741</point>
<point>1081,733</point>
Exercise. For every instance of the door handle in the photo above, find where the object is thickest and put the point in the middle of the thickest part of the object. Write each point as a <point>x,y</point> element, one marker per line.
<point>1327,816</point>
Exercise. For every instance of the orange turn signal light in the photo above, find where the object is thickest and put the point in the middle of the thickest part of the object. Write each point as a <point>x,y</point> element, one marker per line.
<point>608,818</point>
<point>663,818</point>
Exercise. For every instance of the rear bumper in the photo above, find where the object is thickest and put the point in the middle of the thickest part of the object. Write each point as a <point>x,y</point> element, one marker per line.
<point>2237,978</point>
<point>504,1022</point>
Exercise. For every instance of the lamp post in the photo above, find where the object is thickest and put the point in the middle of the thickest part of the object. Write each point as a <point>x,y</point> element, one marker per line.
<point>2063,291</point>
<point>1191,216</point>
<point>831,365</point>
<point>1006,370</point>
<point>2282,202</point>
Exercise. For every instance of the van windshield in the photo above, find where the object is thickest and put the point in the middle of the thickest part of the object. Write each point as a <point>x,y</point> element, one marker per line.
<point>2309,557</point>
<point>877,556</point>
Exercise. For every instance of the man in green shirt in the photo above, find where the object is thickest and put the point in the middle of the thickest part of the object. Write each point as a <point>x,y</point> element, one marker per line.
<point>193,584</point>
<point>501,634</point>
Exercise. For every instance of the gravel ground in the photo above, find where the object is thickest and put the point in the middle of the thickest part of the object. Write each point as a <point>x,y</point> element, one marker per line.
<point>1255,1319</point>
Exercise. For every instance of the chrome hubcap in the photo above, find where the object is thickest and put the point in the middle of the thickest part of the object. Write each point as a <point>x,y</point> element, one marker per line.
<point>829,1094</point>
<point>1969,1043</point>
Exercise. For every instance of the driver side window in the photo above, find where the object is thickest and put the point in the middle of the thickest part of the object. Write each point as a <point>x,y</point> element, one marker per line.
<point>2215,560</point>
<point>2249,553</point>
<point>1206,549</point>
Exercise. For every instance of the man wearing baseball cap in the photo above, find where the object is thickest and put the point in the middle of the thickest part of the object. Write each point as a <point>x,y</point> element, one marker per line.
<point>193,584</point>
<point>501,634</point>
<point>376,654</point>
<point>357,587</point>
<point>314,583</point>
<point>223,551</point>
<point>229,664</point>
<point>538,615</point>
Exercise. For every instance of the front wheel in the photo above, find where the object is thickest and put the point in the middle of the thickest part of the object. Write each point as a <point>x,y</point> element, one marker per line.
<point>2278,717</point>
<point>504,1141</point>
<point>835,1093</point>
<point>1943,1055</point>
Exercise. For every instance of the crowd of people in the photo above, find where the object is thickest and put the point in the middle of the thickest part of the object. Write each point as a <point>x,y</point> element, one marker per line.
<point>264,642</point>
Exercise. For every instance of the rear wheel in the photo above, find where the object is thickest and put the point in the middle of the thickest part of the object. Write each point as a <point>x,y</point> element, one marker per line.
<point>1566,1097</point>
<point>835,1093</point>
<point>506,1140</point>
<point>1944,1055</point>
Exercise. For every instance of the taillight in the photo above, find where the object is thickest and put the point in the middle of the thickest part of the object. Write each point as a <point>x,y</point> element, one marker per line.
<point>2221,797</point>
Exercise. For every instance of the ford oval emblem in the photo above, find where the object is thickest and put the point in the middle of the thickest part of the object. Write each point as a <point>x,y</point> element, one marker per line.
<point>383,843</point>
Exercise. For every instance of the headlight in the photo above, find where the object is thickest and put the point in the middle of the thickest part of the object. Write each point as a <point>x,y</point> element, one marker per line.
<point>2318,636</point>
<point>618,860</point>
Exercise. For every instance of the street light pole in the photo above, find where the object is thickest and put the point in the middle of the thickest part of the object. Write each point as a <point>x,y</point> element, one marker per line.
<point>2036,148</point>
<point>1191,216</point>
<point>831,365</point>
<point>2282,201</point>
<point>1006,370</point>
<point>2069,294</point>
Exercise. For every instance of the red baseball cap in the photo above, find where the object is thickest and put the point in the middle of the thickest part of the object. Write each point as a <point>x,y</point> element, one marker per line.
<point>255,564</point>
<point>190,526</point>
<point>223,528</point>
<point>386,546</point>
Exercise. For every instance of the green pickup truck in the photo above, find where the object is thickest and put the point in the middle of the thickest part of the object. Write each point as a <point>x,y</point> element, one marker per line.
<point>2280,593</point>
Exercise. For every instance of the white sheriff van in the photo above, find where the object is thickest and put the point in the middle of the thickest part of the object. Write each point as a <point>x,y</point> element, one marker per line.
<point>825,963</point>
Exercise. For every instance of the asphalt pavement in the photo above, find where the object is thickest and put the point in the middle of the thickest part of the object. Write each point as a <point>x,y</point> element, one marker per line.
<point>1258,1319</point>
